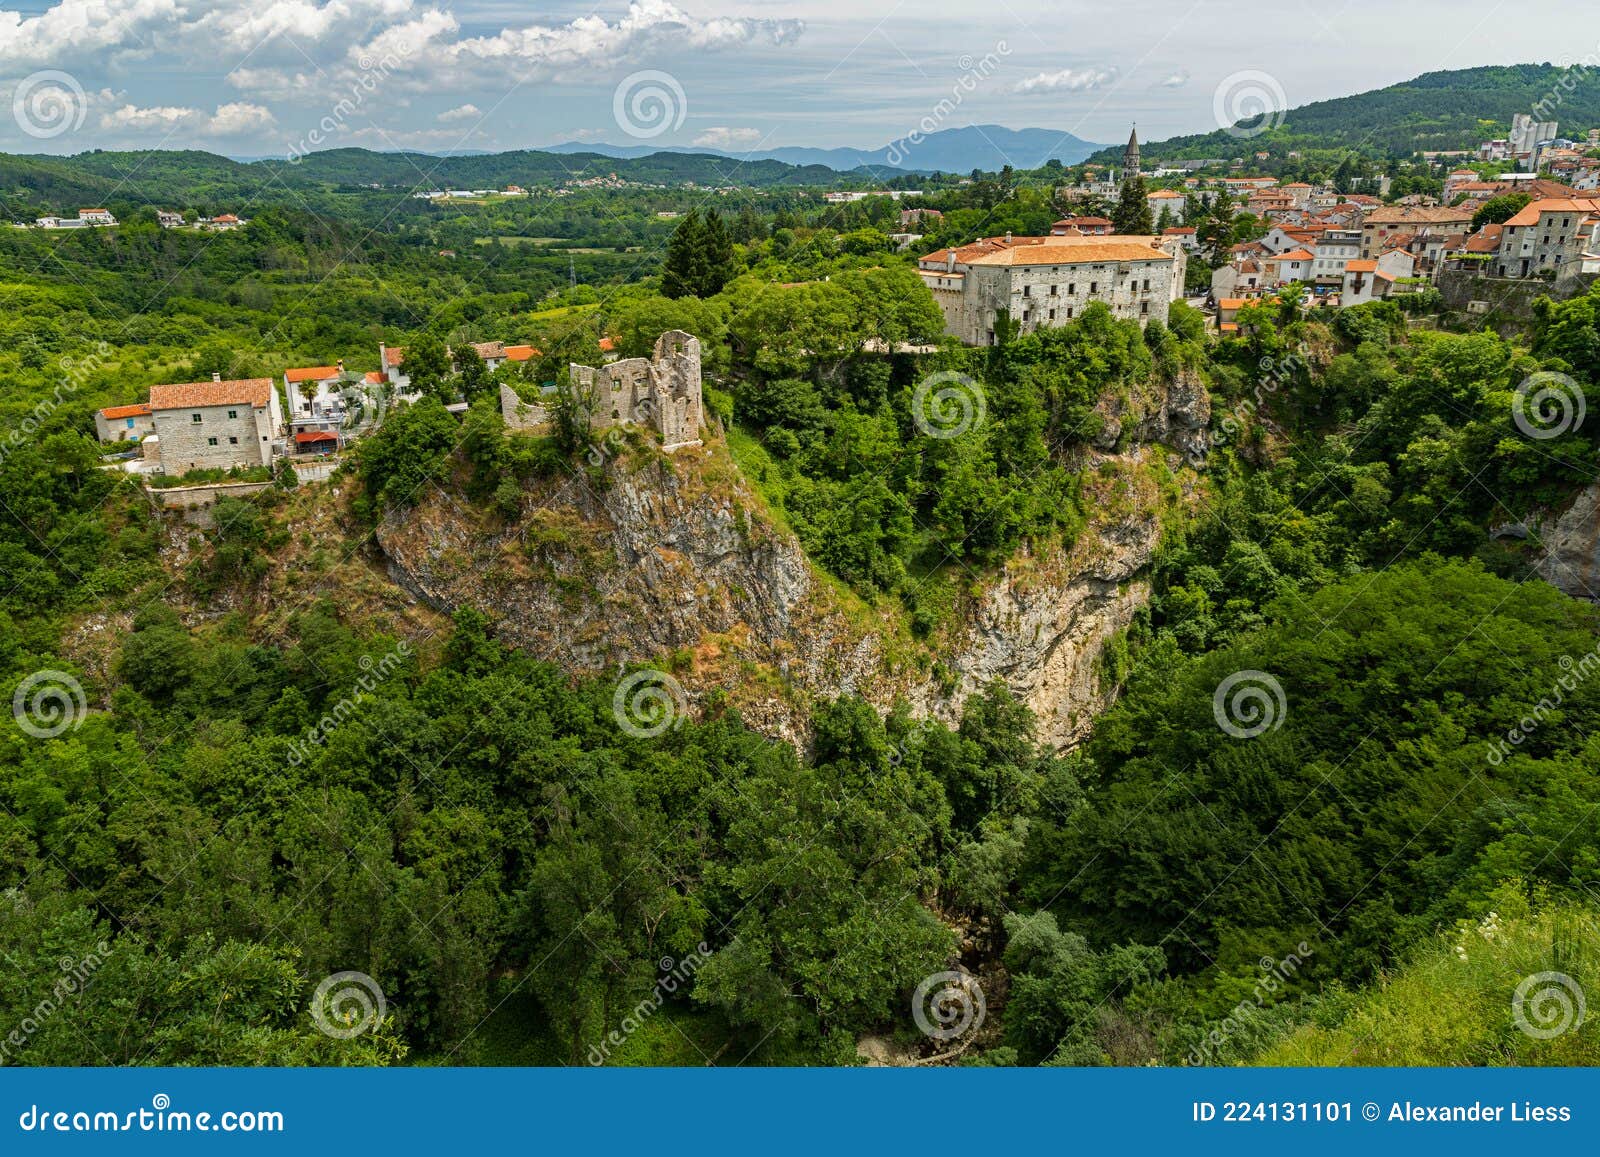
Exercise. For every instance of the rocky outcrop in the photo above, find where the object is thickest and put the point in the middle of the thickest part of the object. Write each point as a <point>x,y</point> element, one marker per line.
<point>674,563</point>
<point>1569,547</point>
<point>1176,413</point>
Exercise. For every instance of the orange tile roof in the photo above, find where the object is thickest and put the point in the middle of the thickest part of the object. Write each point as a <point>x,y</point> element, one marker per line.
<point>1418,215</point>
<point>311,437</point>
<point>1485,240</point>
<point>1183,230</point>
<point>1531,211</point>
<point>1295,255</point>
<point>1230,303</point>
<point>1092,249</point>
<point>520,353</point>
<point>607,344</point>
<point>311,373</point>
<point>1360,266</point>
<point>242,391</point>
<point>373,377</point>
<point>393,355</point>
<point>137,410</point>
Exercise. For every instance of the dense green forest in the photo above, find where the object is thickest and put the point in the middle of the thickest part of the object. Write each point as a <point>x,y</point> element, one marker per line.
<point>476,831</point>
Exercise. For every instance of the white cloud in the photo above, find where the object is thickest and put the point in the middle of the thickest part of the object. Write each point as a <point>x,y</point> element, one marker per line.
<point>465,112</point>
<point>728,139</point>
<point>237,119</point>
<point>1068,80</point>
<point>1175,80</point>
<point>137,119</point>
<point>230,120</point>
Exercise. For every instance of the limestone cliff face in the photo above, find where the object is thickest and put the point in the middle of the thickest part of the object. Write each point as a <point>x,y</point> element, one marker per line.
<point>1569,546</point>
<point>673,562</point>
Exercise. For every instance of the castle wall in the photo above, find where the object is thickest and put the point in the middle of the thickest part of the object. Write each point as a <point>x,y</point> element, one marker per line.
<point>661,392</point>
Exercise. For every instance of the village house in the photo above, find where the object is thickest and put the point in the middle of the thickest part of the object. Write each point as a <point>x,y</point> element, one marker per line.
<point>216,424</point>
<point>124,423</point>
<point>1041,282</point>
<point>1083,226</point>
<point>1166,199</point>
<point>1382,228</point>
<point>1186,235</point>
<point>1553,237</point>
<point>1374,279</point>
<point>1333,249</point>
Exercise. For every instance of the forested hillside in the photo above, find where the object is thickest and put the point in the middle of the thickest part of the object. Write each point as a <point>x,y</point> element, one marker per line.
<point>1454,109</point>
<point>1275,809</point>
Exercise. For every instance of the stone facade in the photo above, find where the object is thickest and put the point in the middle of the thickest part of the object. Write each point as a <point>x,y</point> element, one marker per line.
<point>1046,282</point>
<point>124,423</point>
<point>216,424</point>
<point>661,392</point>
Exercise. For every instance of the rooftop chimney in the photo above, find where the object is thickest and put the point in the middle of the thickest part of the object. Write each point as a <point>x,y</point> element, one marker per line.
<point>216,377</point>
<point>950,261</point>
<point>1008,237</point>
<point>341,365</point>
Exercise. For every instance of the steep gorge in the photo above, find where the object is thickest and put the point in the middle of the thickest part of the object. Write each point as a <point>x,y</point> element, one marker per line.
<point>675,562</point>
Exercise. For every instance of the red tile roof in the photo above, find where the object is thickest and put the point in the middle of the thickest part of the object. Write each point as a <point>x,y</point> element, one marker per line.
<point>137,410</point>
<point>243,391</point>
<point>313,437</point>
<point>311,373</point>
<point>520,353</point>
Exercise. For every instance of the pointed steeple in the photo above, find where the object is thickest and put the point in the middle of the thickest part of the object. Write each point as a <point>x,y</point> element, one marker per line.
<point>1130,156</point>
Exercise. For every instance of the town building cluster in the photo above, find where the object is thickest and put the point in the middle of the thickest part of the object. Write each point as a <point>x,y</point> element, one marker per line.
<point>316,410</point>
<point>1032,283</point>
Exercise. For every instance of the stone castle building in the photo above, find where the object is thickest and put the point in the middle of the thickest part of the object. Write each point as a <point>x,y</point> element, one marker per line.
<point>1041,282</point>
<point>661,392</point>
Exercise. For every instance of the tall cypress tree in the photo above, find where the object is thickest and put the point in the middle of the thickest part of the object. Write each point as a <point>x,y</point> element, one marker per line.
<point>717,269</point>
<point>679,272</point>
<point>1132,214</point>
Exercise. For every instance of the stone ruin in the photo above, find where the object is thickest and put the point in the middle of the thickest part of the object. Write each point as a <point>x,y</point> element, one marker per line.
<point>661,392</point>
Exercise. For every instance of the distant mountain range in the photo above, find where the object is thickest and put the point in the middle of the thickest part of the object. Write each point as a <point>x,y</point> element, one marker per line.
<point>987,147</point>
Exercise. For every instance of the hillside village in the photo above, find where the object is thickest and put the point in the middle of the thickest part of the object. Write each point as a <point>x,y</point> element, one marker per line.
<point>1342,248</point>
<point>312,412</point>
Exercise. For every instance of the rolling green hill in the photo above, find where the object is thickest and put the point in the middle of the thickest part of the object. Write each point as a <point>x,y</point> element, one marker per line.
<point>39,183</point>
<point>1437,110</point>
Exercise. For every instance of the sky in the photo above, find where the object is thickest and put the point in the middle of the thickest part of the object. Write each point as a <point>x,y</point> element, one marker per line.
<point>286,77</point>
